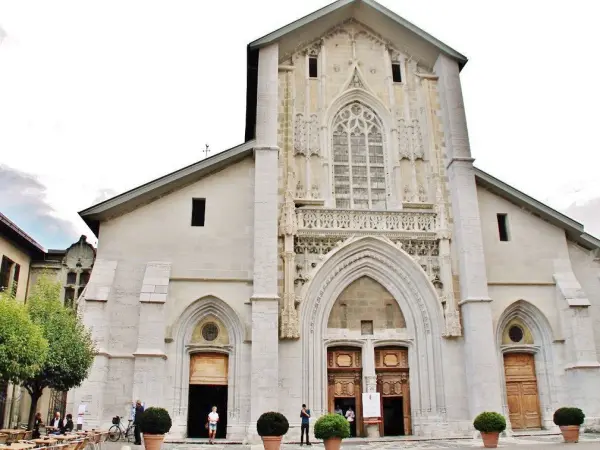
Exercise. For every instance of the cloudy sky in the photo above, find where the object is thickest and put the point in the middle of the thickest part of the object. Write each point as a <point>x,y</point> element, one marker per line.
<point>99,97</point>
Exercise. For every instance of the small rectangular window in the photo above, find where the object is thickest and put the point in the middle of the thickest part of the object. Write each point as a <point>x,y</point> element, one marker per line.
<point>198,209</point>
<point>396,73</point>
<point>16,279</point>
<point>502,227</point>
<point>5,272</point>
<point>312,67</point>
<point>366,327</point>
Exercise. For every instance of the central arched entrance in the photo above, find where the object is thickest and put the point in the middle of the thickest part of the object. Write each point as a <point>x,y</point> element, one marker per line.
<point>407,316</point>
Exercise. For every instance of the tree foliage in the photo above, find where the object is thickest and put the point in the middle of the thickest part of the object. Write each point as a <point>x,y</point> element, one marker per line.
<point>71,349</point>
<point>23,348</point>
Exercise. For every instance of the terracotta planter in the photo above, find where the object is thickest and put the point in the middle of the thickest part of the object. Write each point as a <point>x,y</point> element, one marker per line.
<point>332,443</point>
<point>570,433</point>
<point>271,442</point>
<point>490,440</point>
<point>153,441</point>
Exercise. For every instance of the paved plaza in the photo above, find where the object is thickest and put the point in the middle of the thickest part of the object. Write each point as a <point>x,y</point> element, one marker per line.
<point>539,442</point>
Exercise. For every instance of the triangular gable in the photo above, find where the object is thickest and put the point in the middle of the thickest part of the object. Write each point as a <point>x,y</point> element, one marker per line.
<point>155,189</point>
<point>397,30</point>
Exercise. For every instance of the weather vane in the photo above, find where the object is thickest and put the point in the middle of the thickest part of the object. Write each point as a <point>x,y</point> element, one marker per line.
<point>206,151</point>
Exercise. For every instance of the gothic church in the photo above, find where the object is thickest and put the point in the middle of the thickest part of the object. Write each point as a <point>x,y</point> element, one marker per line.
<point>348,246</point>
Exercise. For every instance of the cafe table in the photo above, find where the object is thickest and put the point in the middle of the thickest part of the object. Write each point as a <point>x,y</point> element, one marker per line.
<point>44,441</point>
<point>17,446</point>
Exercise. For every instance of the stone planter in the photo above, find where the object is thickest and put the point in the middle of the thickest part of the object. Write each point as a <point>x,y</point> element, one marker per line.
<point>490,440</point>
<point>153,441</point>
<point>570,433</point>
<point>332,443</point>
<point>271,442</point>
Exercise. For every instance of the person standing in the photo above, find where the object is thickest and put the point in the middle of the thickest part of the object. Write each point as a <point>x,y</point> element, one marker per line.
<point>37,423</point>
<point>338,410</point>
<point>305,417</point>
<point>350,418</point>
<point>213,419</point>
<point>139,410</point>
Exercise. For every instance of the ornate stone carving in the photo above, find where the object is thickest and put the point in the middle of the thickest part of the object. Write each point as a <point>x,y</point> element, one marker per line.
<point>417,141</point>
<point>314,192</point>
<point>360,220</point>
<point>452,316</point>
<point>299,135</point>
<point>355,81</point>
<point>300,192</point>
<point>403,140</point>
<point>289,317</point>
<point>313,132</point>
<point>422,194</point>
<point>287,223</point>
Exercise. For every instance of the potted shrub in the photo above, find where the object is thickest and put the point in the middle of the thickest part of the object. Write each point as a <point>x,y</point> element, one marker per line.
<point>569,420</point>
<point>490,425</point>
<point>154,424</point>
<point>271,427</point>
<point>332,428</point>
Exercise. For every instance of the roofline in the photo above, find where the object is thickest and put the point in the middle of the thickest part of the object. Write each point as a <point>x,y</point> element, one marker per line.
<point>23,238</point>
<point>279,33</point>
<point>93,214</point>
<point>573,229</point>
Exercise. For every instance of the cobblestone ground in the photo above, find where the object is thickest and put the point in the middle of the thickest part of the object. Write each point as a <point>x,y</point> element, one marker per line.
<point>539,442</point>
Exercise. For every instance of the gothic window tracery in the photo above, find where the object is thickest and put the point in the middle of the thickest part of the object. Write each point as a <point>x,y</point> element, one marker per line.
<point>358,158</point>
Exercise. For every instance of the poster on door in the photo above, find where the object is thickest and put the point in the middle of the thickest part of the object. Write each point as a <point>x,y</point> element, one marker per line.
<point>371,404</point>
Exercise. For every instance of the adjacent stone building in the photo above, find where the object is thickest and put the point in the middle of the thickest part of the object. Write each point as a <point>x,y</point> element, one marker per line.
<point>349,246</point>
<point>24,260</point>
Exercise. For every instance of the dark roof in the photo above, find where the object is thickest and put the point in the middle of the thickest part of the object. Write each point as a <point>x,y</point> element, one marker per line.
<point>16,235</point>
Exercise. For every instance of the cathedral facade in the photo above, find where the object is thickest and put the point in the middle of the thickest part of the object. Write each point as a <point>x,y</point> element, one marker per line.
<point>349,246</point>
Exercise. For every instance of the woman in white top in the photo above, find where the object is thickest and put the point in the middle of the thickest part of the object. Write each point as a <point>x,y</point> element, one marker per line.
<point>350,418</point>
<point>213,419</point>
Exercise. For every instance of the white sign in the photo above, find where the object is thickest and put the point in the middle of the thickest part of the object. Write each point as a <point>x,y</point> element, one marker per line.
<point>371,404</point>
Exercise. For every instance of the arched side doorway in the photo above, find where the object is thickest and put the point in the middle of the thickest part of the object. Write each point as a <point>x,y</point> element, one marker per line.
<point>209,377</point>
<point>207,369</point>
<point>393,385</point>
<point>344,383</point>
<point>525,348</point>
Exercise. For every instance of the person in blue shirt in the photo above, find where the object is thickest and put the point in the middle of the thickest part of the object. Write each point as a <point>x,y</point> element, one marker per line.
<point>305,416</point>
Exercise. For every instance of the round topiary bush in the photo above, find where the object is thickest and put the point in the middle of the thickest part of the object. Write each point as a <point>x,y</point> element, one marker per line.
<point>155,421</point>
<point>490,422</point>
<point>565,417</point>
<point>272,424</point>
<point>332,426</point>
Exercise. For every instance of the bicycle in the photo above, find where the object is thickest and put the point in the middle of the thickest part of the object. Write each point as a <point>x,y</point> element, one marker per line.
<point>116,431</point>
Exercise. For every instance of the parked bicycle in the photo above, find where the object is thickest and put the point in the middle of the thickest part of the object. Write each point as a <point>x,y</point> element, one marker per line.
<point>117,431</point>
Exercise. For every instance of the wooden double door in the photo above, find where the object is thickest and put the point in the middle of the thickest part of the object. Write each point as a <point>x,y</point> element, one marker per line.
<point>522,391</point>
<point>344,373</point>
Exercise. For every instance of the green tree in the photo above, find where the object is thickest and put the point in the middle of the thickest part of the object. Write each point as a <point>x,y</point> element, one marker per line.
<point>71,349</point>
<point>23,348</point>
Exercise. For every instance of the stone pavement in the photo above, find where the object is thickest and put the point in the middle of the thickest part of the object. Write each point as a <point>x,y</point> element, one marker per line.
<point>537,442</point>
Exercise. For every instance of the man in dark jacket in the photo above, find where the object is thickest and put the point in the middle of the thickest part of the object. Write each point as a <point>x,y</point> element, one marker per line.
<point>139,410</point>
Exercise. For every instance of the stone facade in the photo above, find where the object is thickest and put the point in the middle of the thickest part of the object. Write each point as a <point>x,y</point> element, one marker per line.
<point>354,218</point>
